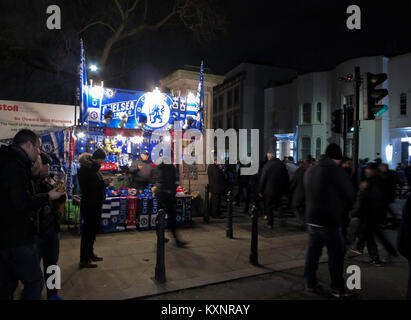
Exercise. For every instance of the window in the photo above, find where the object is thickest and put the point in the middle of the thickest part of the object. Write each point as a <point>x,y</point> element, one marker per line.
<point>229,98</point>
<point>318,148</point>
<point>220,103</point>
<point>236,96</point>
<point>229,122</point>
<point>215,105</point>
<point>236,122</point>
<point>403,104</point>
<point>319,112</point>
<point>307,113</point>
<point>215,124</point>
<point>306,148</point>
<point>220,124</point>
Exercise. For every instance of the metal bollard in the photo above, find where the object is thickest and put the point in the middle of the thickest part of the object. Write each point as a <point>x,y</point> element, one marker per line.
<point>206,218</point>
<point>229,230</point>
<point>160,273</point>
<point>254,236</point>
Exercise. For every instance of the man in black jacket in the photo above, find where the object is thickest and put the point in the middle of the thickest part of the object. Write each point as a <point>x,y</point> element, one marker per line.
<point>93,194</point>
<point>218,187</point>
<point>19,259</point>
<point>328,193</point>
<point>165,178</point>
<point>274,183</point>
<point>49,221</point>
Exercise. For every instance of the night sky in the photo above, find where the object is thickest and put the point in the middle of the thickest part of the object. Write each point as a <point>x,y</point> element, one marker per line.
<point>307,35</point>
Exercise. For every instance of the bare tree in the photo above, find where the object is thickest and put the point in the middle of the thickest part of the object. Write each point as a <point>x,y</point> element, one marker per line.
<point>202,17</point>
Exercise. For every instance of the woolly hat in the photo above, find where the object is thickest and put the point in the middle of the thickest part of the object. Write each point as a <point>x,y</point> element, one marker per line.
<point>333,151</point>
<point>99,154</point>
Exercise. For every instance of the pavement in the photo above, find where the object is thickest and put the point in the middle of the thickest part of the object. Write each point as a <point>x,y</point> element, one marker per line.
<point>211,260</point>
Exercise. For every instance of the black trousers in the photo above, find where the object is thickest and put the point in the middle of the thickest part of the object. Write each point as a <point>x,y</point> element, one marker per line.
<point>49,249</point>
<point>270,204</point>
<point>91,226</point>
<point>167,202</point>
<point>216,204</point>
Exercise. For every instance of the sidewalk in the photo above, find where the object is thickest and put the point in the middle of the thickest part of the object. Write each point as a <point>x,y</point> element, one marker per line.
<point>129,259</point>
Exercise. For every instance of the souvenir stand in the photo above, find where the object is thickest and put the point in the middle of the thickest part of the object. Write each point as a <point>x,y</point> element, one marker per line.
<point>122,122</point>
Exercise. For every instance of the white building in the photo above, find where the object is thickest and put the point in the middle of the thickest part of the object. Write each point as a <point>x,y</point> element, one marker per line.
<point>303,112</point>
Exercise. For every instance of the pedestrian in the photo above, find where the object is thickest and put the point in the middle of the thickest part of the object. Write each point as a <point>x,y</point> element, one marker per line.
<point>291,167</point>
<point>328,193</point>
<point>298,193</point>
<point>19,260</point>
<point>49,221</point>
<point>141,172</point>
<point>370,208</point>
<point>389,178</point>
<point>404,239</point>
<point>93,194</point>
<point>242,194</point>
<point>273,184</point>
<point>407,172</point>
<point>218,187</point>
<point>165,178</point>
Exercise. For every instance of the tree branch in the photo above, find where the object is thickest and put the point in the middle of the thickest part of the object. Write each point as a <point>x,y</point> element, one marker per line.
<point>145,10</point>
<point>95,23</point>
<point>148,27</point>
<point>133,7</point>
<point>120,9</point>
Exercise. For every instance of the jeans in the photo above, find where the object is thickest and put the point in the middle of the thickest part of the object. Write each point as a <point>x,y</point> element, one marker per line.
<point>49,248</point>
<point>333,240</point>
<point>22,264</point>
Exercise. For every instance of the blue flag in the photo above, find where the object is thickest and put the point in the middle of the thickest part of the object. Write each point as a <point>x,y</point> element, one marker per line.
<point>200,100</point>
<point>82,92</point>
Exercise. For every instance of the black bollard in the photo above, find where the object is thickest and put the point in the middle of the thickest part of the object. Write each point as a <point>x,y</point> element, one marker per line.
<point>229,230</point>
<point>160,275</point>
<point>206,217</point>
<point>254,235</point>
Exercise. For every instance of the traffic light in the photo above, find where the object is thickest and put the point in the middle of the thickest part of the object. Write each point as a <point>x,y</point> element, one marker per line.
<point>373,96</point>
<point>336,121</point>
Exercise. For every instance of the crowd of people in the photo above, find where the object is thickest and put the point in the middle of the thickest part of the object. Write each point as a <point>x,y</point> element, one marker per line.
<point>343,209</point>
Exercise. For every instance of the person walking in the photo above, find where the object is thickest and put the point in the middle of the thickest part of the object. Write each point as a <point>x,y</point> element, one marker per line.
<point>218,187</point>
<point>165,178</point>
<point>49,221</point>
<point>298,194</point>
<point>404,239</point>
<point>19,260</point>
<point>273,184</point>
<point>370,208</point>
<point>93,194</point>
<point>328,192</point>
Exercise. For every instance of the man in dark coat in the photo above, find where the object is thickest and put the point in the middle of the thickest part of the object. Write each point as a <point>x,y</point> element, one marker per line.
<point>19,259</point>
<point>328,193</point>
<point>93,194</point>
<point>404,239</point>
<point>218,187</point>
<point>389,178</point>
<point>49,221</point>
<point>273,184</point>
<point>141,172</point>
<point>165,178</point>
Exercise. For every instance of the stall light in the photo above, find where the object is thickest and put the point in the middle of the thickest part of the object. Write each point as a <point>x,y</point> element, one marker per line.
<point>93,68</point>
<point>406,139</point>
<point>97,92</point>
<point>409,150</point>
<point>81,135</point>
<point>167,139</point>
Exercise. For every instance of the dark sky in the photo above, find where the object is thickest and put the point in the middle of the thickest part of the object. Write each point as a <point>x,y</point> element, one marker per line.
<point>307,35</point>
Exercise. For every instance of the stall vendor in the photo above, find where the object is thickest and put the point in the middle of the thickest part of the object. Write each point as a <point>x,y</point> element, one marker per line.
<point>141,172</point>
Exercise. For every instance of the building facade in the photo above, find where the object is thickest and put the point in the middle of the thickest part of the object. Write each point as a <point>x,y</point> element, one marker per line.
<point>238,102</point>
<point>305,108</point>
